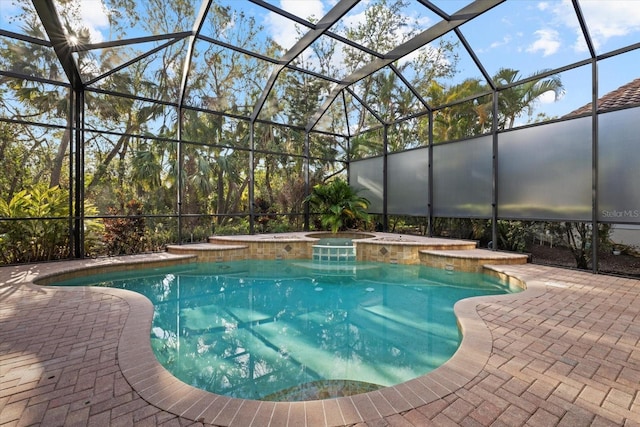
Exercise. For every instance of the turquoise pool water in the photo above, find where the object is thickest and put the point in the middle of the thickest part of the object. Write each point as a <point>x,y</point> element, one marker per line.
<point>298,330</point>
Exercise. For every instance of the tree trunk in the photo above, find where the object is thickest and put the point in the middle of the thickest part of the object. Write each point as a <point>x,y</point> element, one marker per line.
<point>56,169</point>
<point>267,182</point>
<point>220,196</point>
<point>102,168</point>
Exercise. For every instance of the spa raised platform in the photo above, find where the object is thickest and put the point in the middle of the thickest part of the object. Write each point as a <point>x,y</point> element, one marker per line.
<point>461,255</point>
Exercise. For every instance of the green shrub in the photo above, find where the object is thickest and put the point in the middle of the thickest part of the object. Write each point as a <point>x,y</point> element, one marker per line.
<point>514,235</point>
<point>339,205</point>
<point>236,227</point>
<point>125,233</point>
<point>93,232</point>
<point>41,229</point>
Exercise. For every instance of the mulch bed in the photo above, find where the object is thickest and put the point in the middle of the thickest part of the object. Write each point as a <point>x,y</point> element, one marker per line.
<point>623,264</point>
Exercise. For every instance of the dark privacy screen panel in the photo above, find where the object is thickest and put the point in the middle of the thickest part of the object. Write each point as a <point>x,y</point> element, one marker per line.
<point>366,176</point>
<point>408,183</point>
<point>462,184</point>
<point>545,172</point>
<point>619,166</point>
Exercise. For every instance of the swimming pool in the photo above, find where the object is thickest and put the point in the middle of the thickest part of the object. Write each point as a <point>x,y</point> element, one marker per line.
<point>298,330</point>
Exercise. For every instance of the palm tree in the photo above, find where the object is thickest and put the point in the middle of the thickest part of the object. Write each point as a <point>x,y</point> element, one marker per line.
<point>515,100</point>
<point>461,120</point>
<point>339,205</point>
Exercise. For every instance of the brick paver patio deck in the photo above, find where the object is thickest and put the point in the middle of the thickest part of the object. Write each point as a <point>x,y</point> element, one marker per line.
<point>566,352</point>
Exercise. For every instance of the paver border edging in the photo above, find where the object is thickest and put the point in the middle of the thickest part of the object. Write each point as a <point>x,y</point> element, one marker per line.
<point>160,388</point>
<point>156,385</point>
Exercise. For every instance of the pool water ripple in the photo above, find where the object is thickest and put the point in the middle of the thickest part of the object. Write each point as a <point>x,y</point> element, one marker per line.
<point>292,330</point>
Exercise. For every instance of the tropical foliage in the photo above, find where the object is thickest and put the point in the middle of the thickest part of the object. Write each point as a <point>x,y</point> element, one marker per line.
<point>42,233</point>
<point>126,234</point>
<point>339,205</point>
<point>149,158</point>
<point>36,226</point>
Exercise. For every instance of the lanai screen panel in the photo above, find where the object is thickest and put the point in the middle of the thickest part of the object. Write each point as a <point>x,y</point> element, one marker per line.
<point>619,166</point>
<point>366,176</point>
<point>408,183</point>
<point>544,172</point>
<point>462,183</point>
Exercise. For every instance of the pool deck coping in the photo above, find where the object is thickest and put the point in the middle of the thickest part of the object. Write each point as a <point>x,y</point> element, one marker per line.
<point>139,365</point>
<point>155,385</point>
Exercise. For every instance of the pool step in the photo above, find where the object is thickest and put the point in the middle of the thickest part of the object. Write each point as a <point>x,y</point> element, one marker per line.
<point>470,260</point>
<point>209,252</point>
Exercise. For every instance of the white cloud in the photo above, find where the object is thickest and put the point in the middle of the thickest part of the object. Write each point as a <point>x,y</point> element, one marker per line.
<point>549,97</point>
<point>353,19</point>
<point>605,19</point>
<point>543,5</point>
<point>547,42</point>
<point>505,40</point>
<point>304,9</point>
<point>94,18</point>
<point>283,30</point>
<point>611,19</point>
<point>89,14</point>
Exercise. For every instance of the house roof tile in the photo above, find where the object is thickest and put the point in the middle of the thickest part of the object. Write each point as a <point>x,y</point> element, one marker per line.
<point>625,95</point>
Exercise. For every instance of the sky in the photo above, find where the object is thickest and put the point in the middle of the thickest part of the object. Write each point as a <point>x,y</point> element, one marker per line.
<point>527,35</point>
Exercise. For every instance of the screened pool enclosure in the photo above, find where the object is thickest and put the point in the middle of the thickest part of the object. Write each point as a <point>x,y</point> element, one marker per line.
<point>126,126</point>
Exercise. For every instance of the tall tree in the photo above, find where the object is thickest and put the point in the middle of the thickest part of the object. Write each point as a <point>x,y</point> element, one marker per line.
<point>474,116</point>
<point>36,100</point>
<point>384,27</point>
<point>521,99</point>
<point>464,119</point>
